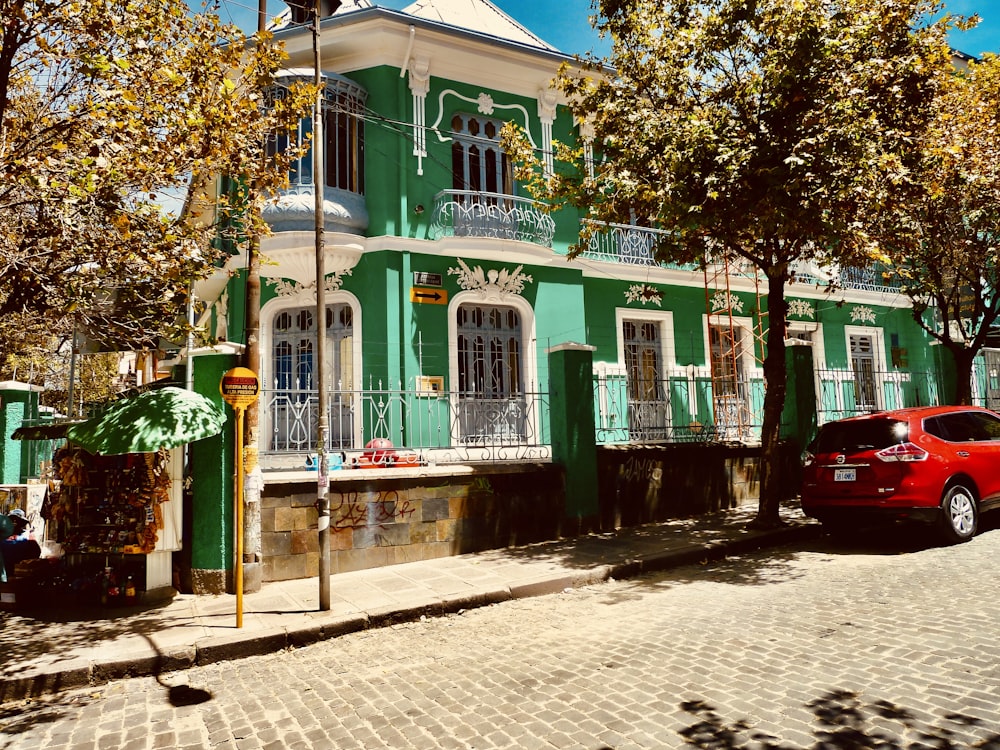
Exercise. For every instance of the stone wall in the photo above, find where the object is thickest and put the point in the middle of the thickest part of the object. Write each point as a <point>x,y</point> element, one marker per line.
<point>383,517</point>
<point>649,483</point>
<point>386,516</point>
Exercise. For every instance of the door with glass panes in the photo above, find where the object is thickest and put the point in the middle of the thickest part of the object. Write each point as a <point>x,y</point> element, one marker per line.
<point>481,176</point>
<point>492,405</point>
<point>863,365</point>
<point>293,407</point>
<point>648,407</point>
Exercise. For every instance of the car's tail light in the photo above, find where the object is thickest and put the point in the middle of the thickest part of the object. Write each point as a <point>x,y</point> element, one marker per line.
<point>903,452</point>
<point>807,458</point>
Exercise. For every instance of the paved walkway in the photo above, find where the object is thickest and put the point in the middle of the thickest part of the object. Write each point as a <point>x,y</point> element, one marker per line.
<point>53,650</point>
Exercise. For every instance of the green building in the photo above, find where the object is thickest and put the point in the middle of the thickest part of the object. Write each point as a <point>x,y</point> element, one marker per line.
<point>448,292</point>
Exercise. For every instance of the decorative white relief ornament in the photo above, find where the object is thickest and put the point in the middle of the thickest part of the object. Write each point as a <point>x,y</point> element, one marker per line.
<point>726,301</point>
<point>490,284</point>
<point>862,313</point>
<point>485,103</point>
<point>644,293</point>
<point>801,309</point>
<point>286,288</point>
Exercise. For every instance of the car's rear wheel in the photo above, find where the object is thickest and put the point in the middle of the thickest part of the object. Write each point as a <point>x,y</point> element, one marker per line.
<point>959,513</point>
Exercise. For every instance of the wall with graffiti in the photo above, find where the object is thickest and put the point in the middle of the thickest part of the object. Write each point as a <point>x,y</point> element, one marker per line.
<point>387,521</point>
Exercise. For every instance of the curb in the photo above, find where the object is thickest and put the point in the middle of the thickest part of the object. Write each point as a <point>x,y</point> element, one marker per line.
<point>240,645</point>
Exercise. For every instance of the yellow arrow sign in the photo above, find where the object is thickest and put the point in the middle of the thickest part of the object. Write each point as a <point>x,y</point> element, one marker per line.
<point>428,296</point>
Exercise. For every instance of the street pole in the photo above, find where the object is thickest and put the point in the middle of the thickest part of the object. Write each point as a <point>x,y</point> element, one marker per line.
<point>322,476</point>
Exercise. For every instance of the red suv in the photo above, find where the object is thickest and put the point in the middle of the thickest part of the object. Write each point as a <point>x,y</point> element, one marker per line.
<point>938,464</point>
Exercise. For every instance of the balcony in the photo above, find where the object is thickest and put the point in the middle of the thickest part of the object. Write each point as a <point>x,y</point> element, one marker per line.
<point>469,213</point>
<point>636,246</point>
<point>628,244</point>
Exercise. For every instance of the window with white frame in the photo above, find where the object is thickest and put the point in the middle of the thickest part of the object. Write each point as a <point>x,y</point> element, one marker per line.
<point>866,356</point>
<point>478,161</point>
<point>731,361</point>
<point>343,135</point>
<point>862,350</point>
<point>490,372</point>
<point>293,402</point>
<point>811,333</point>
<point>646,351</point>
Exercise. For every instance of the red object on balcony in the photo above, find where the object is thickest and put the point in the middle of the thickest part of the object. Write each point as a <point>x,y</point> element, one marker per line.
<point>378,452</point>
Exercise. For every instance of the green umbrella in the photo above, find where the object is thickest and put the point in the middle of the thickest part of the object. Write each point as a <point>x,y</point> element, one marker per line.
<point>161,418</point>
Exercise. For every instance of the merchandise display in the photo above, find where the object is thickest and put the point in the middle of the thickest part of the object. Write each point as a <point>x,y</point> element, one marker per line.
<point>104,516</point>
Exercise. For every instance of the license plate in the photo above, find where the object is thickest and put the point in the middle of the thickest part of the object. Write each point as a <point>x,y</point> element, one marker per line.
<point>845,475</point>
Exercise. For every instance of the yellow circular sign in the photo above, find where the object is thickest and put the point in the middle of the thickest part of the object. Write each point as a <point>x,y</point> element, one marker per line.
<point>239,387</point>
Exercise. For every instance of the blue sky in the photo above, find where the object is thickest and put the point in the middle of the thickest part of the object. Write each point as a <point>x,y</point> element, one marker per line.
<point>563,23</point>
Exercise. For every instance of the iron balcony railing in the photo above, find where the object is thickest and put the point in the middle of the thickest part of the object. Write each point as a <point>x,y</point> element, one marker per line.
<point>438,427</point>
<point>470,213</point>
<point>624,243</point>
<point>634,245</point>
<point>680,408</point>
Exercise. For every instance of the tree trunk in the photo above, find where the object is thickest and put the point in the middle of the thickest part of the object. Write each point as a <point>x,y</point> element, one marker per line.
<point>964,358</point>
<point>775,378</point>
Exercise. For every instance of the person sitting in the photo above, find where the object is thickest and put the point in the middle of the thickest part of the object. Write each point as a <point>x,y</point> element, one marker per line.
<point>19,545</point>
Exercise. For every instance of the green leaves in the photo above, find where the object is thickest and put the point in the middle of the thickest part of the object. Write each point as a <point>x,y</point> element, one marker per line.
<point>102,104</point>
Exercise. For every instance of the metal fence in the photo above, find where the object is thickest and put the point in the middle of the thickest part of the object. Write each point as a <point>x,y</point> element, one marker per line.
<point>435,426</point>
<point>681,407</point>
<point>846,393</point>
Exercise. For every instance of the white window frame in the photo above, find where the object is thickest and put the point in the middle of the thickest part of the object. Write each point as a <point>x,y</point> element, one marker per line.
<point>664,320</point>
<point>877,334</point>
<point>751,368</point>
<point>270,310</point>
<point>528,354</point>
<point>818,342</point>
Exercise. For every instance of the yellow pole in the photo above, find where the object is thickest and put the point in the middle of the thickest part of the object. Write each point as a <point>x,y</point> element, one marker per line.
<point>238,571</point>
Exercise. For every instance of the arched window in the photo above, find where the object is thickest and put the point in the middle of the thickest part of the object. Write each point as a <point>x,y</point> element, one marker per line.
<point>478,163</point>
<point>292,409</point>
<point>491,399</point>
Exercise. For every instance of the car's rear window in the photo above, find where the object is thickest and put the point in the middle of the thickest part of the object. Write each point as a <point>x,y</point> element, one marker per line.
<point>869,434</point>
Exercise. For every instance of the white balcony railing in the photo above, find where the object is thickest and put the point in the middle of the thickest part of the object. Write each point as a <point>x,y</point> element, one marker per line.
<point>441,426</point>
<point>469,213</point>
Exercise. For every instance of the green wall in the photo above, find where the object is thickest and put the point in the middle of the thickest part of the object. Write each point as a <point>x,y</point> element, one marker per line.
<point>211,468</point>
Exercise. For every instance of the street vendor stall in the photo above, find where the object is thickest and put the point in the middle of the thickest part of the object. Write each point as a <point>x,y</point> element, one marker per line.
<point>114,507</point>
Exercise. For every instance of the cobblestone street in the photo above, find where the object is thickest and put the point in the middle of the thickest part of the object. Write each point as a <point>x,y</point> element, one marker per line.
<point>857,644</point>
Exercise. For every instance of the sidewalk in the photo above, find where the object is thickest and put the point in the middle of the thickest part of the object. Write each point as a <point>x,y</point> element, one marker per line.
<point>55,650</point>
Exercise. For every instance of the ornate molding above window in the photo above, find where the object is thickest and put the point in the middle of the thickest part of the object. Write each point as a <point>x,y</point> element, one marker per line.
<point>722,301</point>
<point>485,105</point>
<point>862,313</point>
<point>801,309</point>
<point>645,294</point>
<point>492,284</point>
<point>286,288</point>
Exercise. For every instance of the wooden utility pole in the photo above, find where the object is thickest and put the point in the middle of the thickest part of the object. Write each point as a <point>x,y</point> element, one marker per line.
<point>252,550</point>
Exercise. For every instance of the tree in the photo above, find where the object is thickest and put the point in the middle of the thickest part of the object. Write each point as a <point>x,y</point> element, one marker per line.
<point>756,131</point>
<point>945,244</point>
<point>116,119</point>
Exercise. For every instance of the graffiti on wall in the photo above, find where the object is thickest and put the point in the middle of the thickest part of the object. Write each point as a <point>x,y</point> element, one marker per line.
<point>638,469</point>
<point>350,511</point>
